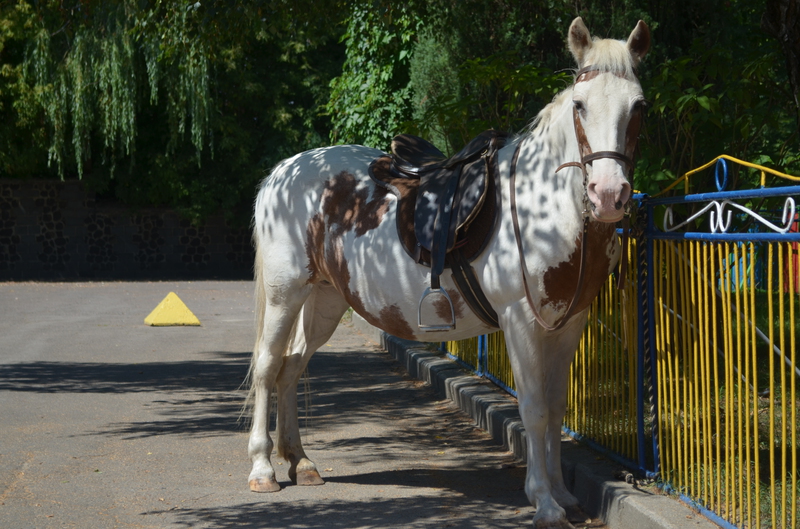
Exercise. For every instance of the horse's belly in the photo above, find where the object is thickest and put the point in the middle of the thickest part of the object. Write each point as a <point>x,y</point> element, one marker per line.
<point>384,285</point>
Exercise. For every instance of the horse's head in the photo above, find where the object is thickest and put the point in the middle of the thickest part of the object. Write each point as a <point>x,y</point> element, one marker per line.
<point>607,112</point>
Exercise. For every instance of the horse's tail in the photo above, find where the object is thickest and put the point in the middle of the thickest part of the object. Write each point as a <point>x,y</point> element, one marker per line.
<point>261,304</point>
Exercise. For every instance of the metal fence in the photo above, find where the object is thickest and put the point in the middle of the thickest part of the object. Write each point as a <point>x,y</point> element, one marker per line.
<point>689,374</point>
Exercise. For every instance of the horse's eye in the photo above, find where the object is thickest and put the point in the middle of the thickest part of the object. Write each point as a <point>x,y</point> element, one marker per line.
<point>579,106</point>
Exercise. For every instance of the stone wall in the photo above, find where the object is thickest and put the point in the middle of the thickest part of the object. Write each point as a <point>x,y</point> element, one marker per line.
<point>54,231</point>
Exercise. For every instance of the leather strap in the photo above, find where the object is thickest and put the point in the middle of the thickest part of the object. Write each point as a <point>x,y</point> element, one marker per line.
<point>470,288</point>
<point>523,265</point>
<point>441,229</point>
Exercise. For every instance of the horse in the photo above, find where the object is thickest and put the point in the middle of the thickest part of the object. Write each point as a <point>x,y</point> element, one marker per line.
<point>326,240</point>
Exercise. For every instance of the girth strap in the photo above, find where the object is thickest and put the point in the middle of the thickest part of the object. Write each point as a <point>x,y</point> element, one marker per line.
<point>470,288</point>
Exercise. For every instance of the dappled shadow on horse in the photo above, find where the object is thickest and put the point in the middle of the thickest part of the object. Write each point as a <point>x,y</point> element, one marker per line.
<point>329,237</point>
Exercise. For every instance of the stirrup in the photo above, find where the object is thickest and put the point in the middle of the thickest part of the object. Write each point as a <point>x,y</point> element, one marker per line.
<point>440,327</point>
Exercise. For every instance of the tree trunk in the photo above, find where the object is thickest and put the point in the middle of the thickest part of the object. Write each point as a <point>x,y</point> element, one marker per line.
<point>782,20</point>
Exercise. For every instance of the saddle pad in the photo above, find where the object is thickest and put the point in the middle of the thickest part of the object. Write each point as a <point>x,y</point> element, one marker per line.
<point>469,195</point>
<point>471,237</point>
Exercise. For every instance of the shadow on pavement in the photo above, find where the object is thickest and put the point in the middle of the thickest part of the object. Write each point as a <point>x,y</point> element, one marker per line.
<point>445,510</point>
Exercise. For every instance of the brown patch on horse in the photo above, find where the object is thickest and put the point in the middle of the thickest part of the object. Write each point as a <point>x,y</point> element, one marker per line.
<point>442,307</point>
<point>315,247</point>
<point>562,281</point>
<point>343,208</point>
<point>391,320</point>
<point>347,209</point>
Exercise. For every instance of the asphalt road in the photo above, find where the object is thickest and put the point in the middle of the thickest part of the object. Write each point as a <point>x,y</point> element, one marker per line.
<point>107,422</point>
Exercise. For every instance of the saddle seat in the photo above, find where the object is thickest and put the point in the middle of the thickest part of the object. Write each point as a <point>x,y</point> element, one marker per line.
<point>447,208</point>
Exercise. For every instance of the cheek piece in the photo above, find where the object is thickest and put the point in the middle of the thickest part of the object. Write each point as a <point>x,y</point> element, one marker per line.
<point>587,156</point>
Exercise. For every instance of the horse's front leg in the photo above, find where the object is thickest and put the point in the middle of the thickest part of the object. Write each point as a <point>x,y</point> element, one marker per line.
<point>560,346</point>
<point>528,356</point>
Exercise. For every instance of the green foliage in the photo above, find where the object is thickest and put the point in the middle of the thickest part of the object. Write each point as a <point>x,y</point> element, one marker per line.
<point>480,65</point>
<point>188,104</point>
<point>731,97</point>
<point>185,104</point>
<point>495,92</point>
<point>716,82</point>
<point>372,97</point>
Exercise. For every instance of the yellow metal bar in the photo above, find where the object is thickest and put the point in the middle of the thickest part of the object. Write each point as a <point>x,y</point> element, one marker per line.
<point>741,385</point>
<point>672,339</point>
<point>662,360</point>
<point>691,389</point>
<point>754,338</point>
<point>694,367</point>
<point>680,386</point>
<point>712,387</point>
<point>792,250</point>
<point>723,437</point>
<point>764,170</point>
<point>783,395</point>
<point>771,387</point>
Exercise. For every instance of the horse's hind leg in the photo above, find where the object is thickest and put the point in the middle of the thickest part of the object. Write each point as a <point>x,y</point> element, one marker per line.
<point>278,310</point>
<point>319,317</point>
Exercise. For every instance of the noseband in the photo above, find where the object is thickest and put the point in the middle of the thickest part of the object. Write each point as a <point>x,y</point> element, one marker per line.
<point>587,157</point>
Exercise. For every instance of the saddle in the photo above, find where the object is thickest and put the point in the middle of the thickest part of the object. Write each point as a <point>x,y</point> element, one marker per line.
<point>447,211</point>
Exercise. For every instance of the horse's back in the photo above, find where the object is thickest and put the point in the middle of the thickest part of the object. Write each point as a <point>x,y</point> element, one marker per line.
<point>292,192</point>
<point>306,199</point>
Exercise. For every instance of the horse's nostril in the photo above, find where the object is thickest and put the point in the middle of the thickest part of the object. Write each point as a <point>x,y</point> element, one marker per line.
<point>618,204</point>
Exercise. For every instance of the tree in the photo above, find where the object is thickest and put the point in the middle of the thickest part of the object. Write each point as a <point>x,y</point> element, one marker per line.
<point>782,20</point>
<point>181,104</point>
<point>371,99</point>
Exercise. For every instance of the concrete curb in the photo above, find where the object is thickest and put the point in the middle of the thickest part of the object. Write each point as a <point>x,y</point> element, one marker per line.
<point>588,476</point>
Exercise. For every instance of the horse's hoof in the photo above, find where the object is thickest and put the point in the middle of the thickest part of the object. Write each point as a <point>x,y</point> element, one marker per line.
<point>308,477</point>
<point>264,485</point>
<point>559,524</point>
<point>576,515</point>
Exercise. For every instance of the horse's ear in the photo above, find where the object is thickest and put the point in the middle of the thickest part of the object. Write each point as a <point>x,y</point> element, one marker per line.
<point>639,41</point>
<point>579,40</point>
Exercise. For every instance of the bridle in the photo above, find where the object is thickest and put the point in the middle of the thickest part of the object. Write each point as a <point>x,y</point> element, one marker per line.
<point>587,158</point>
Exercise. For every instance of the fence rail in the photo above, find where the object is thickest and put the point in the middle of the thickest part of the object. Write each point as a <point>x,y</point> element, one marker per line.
<point>689,375</point>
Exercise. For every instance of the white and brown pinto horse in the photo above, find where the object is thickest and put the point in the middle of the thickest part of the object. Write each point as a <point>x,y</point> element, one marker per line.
<point>326,240</point>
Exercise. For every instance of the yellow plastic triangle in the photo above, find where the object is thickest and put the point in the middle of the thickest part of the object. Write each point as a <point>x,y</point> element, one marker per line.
<point>171,311</point>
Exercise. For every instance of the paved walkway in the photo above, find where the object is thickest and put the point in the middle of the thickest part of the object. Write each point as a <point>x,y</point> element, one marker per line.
<point>107,422</point>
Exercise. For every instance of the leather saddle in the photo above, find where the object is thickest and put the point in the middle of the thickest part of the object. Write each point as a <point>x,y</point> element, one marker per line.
<point>447,210</point>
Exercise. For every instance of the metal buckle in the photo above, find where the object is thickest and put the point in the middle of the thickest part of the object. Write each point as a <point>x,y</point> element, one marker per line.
<point>440,327</point>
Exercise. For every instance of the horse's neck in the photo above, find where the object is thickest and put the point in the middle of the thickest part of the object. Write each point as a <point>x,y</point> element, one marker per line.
<point>551,144</point>
<point>553,141</point>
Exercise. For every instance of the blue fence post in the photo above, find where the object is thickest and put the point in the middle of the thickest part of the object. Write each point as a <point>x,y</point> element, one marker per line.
<point>646,380</point>
<point>642,338</point>
<point>483,348</point>
<point>649,349</point>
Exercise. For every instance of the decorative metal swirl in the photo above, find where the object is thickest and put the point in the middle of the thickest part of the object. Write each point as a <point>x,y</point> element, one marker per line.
<point>720,222</point>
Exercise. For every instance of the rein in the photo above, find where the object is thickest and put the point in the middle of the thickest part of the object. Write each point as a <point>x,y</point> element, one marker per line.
<point>587,157</point>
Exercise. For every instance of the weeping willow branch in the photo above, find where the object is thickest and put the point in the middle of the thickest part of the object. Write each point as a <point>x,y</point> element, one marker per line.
<point>91,78</point>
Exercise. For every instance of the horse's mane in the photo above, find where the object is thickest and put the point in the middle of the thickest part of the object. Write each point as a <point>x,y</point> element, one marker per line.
<point>607,55</point>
